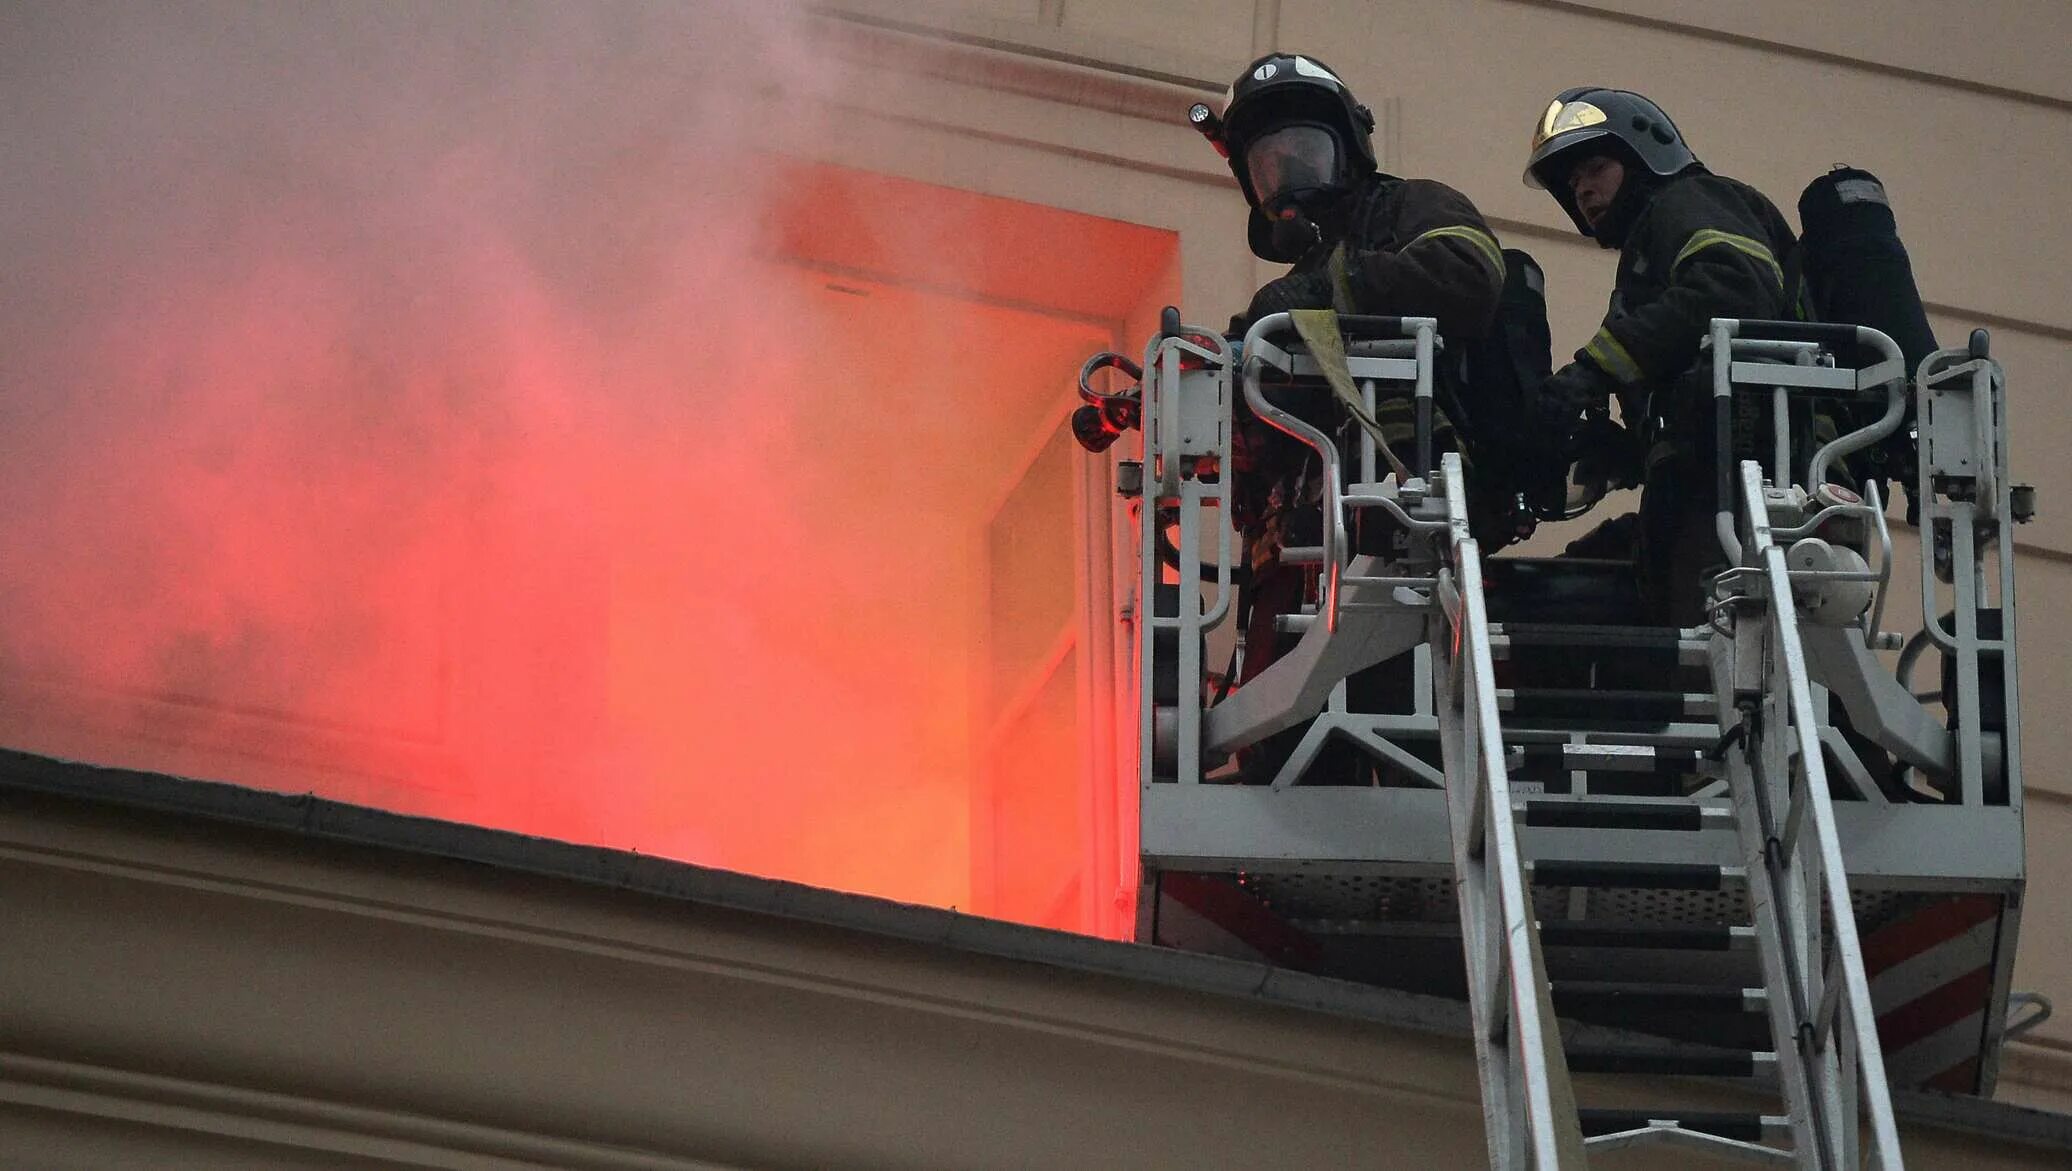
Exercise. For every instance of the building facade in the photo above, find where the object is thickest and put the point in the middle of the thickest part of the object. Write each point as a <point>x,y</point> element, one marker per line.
<point>933,212</point>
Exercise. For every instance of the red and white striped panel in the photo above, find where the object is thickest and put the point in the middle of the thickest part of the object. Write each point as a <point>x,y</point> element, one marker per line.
<point>1931,976</point>
<point>1214,915</point>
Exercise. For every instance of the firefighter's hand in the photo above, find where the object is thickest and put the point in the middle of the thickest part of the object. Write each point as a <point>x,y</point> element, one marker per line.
<point>1297,290</point>
<point>1608,452</point>
<point>1577,388</point>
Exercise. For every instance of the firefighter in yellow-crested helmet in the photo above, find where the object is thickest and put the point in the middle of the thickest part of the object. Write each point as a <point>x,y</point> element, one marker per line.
<point>1692,246</point>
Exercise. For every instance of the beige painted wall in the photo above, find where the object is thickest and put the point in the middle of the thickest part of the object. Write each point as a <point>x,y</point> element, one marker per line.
<point>1965,112</point>
<point>209,995</point>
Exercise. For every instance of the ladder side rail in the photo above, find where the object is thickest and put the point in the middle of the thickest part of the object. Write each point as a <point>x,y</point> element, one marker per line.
<point>1806,882</point>
<point>1531,1114</point>
<point>1819,854</point>
<point>1740,670</point>
<point>1482,942</point>
<point>1785,779</point>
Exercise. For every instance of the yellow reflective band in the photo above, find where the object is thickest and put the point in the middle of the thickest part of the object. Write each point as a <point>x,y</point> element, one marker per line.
<point>1398,421</point>
<point>1705,238</point>
<point>1484,243</point>
<point>1605,350</point>
<point>1398,418</point>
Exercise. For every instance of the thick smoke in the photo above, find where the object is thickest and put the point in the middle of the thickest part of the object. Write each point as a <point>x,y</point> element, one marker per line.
<point>395,394</point>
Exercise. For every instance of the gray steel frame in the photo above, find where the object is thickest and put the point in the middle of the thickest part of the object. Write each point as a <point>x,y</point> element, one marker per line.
<point>1528,1105</point>
<point>1800,852</point>
<point>1964,479</point>
<point>1798,883</point>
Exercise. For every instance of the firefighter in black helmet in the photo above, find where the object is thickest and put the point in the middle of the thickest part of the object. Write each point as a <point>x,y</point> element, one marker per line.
<point>1359,241</point>
<point>1692,246</point>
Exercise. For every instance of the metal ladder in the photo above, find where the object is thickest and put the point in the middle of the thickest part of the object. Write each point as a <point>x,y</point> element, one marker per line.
<point>1791,626</point>
<point>1824,1056</point>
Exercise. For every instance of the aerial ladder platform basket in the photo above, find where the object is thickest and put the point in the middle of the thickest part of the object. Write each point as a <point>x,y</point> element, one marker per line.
<point>1760,849</point>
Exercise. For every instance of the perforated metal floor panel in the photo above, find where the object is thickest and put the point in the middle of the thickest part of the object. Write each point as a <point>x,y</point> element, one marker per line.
<point>1353,901</point>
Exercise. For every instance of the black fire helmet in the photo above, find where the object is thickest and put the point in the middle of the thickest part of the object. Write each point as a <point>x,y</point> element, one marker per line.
<point>1294,134</point>
<point>1590,120</point>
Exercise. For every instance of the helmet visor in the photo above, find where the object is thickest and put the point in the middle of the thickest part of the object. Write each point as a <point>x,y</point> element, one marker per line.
<point>1561,126</point>
<point>1290,161</point>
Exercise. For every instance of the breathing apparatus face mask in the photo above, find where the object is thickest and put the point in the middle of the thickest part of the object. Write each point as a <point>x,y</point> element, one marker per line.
<point>1293,169</point>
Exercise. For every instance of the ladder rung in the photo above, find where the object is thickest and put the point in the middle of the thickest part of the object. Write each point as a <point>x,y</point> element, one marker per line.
<point>1510,636</point>
<point>1585,813</point>
<point>1659,759</point>
<point>1580,634</point>
<point>1747,1127</point>
<point>1681,734</point>
<point>1599,705</point>
<point>1570,995</point>
<point>1651,936</point>
<point>1634,875</point>
<point>1680,1062</point>
<point>1625,758</point>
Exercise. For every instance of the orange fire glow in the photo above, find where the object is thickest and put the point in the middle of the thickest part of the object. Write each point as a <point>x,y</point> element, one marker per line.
<point>471,419</point>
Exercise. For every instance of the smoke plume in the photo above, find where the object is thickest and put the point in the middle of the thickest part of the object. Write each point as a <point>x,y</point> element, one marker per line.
<point>395,401</point>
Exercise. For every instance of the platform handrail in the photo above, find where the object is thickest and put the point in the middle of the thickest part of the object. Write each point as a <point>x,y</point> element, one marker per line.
<point>1728,336</point>
<point>1257,352</point>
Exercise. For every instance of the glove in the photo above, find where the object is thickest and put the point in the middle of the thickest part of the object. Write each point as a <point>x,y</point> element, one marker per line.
<point>1577,388</point>
<point>1297,290</point>
<point>1566,400</point>
<point>1605,451</point>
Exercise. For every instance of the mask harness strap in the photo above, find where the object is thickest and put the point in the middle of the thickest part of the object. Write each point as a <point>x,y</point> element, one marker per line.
<point>1319,329</point>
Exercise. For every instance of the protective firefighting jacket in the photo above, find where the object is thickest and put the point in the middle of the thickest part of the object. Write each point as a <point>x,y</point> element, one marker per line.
<point>1396,247</point>
<point>1702,246</point>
